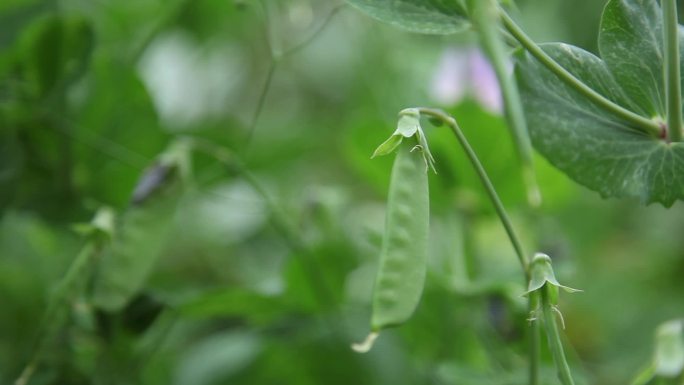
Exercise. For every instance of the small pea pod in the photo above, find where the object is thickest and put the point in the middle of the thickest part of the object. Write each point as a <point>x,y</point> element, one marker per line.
<point>141,233</point>
<point>543,292</point>
<point>403,258</point>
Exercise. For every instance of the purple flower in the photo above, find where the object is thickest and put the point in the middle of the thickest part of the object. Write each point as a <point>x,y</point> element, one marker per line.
<point>463,71</point>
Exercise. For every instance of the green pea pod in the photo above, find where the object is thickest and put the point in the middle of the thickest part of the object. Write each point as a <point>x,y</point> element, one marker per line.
<point>142,231</point>
<point>403,259</point>
<point>399,283</point>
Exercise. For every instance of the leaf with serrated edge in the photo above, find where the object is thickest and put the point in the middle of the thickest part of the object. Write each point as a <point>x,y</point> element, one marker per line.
<point>589,144</point>
<point>435,17</point>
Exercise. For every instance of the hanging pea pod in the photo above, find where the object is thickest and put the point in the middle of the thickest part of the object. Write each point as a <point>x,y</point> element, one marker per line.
<point>403,258</point>
<point>142,230</point>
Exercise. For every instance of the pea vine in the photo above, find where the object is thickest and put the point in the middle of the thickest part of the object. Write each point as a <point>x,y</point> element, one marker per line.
<point>612,123</point>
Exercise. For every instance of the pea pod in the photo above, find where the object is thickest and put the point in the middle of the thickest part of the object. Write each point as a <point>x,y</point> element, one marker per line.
<point>141,234</point>
<point>403,258</point>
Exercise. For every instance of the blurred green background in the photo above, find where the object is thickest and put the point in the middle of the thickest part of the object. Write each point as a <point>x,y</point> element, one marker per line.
<point>266,277</point>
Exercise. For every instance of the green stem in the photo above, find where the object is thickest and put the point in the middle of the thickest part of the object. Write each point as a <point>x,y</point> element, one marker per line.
<point>302,44</point>
<point>55,313</point>
<point>163,23</point>
<point>553,336</point>
<point>641,123</point>
<point>275,58</point>
<point>491,192</point>
<point>279,220</point>
<point>672,71</point>
<point>260,103</point>
<point>505,221</point>
<point>534,341</point>
<point>486,19</point>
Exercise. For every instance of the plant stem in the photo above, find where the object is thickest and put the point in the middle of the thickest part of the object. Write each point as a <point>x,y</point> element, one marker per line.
<point>279,220</point>
<point>56,311</point>
<point>163,23</point>
<point>672,71</point>
<point>641,123</point>
<point>260,103</point>
<point>275,58</point>
<point>505,221</point>
<point>302,44</point>
<point>534,351</point>
<point>554,339</point>
<point>491,192</point>
<point>486,19</point>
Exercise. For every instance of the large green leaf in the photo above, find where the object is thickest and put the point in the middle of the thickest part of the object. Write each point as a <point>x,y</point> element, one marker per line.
<point>437,17</point>
<point>630,38</point>
<point>589,144</point>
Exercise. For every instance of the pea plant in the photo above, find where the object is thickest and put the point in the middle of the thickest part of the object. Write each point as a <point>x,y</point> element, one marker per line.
<point>611,123</point>
<point>233,158</point>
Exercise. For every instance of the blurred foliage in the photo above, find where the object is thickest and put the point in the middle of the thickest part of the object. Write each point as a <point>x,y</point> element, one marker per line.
<point>266,274</point>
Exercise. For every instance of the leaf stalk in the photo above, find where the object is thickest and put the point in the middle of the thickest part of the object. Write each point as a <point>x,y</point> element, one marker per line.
<point>505,221</point>
<point>486,20</point>
<point>645,125</point>
<point>484,178</point>
<point>534,348</point>
<point>553,336</point>
<point>671,69</point>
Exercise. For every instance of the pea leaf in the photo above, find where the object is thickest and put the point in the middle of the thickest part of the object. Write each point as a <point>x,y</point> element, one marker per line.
<point>589,144</point>
<point>57,51</point>
<point>630,38</point>
<point>435,17</point>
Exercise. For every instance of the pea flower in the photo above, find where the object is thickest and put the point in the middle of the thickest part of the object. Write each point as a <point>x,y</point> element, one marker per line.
<point>466,71</point>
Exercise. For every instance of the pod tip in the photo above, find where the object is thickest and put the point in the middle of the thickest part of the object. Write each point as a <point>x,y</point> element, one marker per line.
<point>366,345</point>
